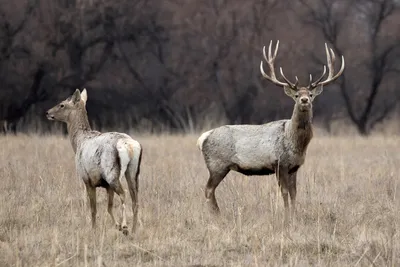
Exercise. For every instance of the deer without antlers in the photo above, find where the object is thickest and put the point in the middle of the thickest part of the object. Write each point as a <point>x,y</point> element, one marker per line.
<point>276,147</point>
<point>102,159</point>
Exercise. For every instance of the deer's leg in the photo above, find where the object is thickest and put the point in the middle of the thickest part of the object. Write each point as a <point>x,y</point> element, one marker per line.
<point>292,184</point>
<point>110,193</point>
<point>283,182</point>
<point>91,192</point>
<point>133,185</point>
<point>121,193</point>
<point>214,180</point>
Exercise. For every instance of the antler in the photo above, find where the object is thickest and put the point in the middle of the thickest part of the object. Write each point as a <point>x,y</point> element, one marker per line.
<point>270,61</point>
<point>330,58</point>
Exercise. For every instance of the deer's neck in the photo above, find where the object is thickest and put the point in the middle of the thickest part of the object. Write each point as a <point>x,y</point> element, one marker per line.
<point>78,127</point>
<point>300,129</point>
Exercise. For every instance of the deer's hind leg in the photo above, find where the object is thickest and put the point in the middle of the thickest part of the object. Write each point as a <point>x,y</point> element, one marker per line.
<point>113,176</point>
<point>118,189</point>
<point>110,193</point>
<point>133,185</point>
<point>216,176</point>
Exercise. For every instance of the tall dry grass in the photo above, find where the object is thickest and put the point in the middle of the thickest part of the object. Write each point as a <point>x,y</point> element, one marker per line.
<point>348,211</point>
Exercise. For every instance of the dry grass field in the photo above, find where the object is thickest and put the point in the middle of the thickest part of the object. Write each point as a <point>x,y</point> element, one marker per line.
<point>348,211</point>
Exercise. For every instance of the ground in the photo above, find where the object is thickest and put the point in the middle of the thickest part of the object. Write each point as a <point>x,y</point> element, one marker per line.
<point>348,212</point>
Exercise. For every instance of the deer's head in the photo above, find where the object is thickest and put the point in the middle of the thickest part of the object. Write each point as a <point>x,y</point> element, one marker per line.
<point>67,108</point>
<point>303,96</point>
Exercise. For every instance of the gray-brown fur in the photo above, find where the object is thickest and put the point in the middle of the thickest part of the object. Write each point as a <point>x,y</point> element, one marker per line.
<point>102,159</point>
<point>277,147</point>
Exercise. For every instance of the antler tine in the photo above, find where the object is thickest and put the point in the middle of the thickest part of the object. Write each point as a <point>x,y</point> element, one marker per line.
<point>293,86</point>
<point>330,58</point>
<point>329,61</point>
<point>276,49</point>
<point>333,57</point>
<point>336,76</point>
<point>314,84</point>
<point>270,56</point>
<point>270,61</point>
<point>297,81</point>
<point>269,51</point>
<point>265,54</point>
<point>272,78</point>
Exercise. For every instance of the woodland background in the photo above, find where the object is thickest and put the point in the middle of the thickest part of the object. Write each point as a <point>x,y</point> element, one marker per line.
<point>184,65</point>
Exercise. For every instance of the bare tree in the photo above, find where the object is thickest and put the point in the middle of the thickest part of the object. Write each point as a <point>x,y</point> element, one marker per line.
<point>376,58</point>
<point>223,39</point>
<point>15,110</point>
<point>11,50</point>
<point>79,36</point>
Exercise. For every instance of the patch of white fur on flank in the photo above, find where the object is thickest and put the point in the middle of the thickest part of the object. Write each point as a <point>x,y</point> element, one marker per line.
<point>136,148</point>
<point>129,151</point>
<point>124,156</point>
<point>202,138</point>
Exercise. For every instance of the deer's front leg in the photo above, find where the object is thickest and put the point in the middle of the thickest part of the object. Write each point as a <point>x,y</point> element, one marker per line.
<point>292,184</point>
<point>91,192</point>
<point>283,182</point>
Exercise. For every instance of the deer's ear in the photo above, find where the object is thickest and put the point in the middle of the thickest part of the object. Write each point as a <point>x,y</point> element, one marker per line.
<point>84,95</point>
<point>289,91</point>
<point>317,91</point>
<point>76,97</point>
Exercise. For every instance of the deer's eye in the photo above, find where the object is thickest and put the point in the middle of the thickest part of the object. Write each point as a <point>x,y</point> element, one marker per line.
<point>310,95</point>
<point>61,105</point>
<point>296,95</point>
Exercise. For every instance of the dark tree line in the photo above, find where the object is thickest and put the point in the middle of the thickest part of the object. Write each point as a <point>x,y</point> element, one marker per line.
<point>182,65</point>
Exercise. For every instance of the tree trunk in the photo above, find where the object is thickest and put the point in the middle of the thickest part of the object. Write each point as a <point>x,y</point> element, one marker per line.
<point>362,128</point>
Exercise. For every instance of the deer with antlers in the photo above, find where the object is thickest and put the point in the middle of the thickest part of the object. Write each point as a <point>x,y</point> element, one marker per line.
<point>276,147</point>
